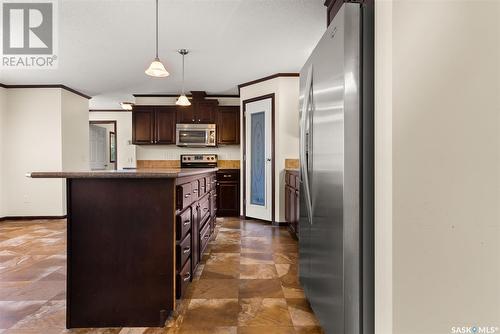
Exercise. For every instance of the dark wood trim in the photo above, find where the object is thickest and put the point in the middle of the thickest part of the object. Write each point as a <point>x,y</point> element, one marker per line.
<point>30,217</point>
<point>253,82</point>
<point>273,152</point>
<point>188,95</point>
<point>109,110</point>
<point>116,136</point>
<point>48,86</point>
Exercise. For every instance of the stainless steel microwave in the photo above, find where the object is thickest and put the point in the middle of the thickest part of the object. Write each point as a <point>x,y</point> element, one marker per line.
<point>195,135</point>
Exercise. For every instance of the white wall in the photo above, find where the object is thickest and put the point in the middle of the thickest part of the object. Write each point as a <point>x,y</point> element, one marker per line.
<point>286,90</point>
<point>443,92</point>
<point>43,129</point>
<point>32,134</point>
<point>126,151</point>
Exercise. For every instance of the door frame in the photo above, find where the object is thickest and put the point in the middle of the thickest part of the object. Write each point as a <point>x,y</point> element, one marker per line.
<point>273,151</point>
<point>116,136</point>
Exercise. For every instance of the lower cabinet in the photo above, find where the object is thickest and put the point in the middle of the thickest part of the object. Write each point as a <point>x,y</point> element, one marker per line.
<point>228,193</point>
<point>292,185</point>
<point>195,225</point>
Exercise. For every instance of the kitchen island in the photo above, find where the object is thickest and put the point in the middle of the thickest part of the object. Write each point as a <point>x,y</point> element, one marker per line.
<point>134,239</point>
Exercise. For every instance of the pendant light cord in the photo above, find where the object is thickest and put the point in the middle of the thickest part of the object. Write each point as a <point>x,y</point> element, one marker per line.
<point>156,28</point>
<point>183,74</point>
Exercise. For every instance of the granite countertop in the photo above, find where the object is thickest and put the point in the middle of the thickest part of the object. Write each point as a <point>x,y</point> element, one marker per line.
<point>124,174</point>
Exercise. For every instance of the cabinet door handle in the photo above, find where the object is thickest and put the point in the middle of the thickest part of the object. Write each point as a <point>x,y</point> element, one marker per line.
<point>202,187</point>
<point>214,182</point>
<point>186,250</point>
<point>187,195</point>
<point>187,277</point>
<point>192,120</point>
<point>195,190</point>
<point>199,120</point>
<point>187,222</point>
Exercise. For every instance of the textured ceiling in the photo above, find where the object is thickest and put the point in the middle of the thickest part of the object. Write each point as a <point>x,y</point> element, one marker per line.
<point>105,45</point>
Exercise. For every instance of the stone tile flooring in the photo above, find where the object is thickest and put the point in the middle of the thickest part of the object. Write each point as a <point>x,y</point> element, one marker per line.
<point>247,283</point>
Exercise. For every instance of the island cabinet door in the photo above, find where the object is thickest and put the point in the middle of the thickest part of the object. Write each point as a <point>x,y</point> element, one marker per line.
<point>195,230</point>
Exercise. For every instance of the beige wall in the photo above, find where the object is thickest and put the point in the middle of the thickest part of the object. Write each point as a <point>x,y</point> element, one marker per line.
<point>44,129</point>
<point>286,90</point>
<point>444,92</point>
<point>126,151</point>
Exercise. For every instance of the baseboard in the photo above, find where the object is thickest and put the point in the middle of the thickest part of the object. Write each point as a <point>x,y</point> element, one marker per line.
<point>275,223</point>
<point>31,217</point>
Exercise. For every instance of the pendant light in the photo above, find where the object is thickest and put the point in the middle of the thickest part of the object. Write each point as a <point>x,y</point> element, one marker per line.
<point>156,69</point>
<point>183,100</point>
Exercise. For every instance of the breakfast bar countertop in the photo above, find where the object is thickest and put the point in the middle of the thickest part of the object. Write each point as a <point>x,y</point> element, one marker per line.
<point>125,173</point>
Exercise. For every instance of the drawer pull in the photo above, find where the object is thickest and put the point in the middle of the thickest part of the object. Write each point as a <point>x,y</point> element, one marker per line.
<point>186,277</point>
<point>186,223</point>
<point>187,195</point>
<point>186,250</point>
<point>227,175</point>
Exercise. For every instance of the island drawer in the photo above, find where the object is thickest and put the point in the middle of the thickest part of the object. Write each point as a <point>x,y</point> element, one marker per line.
<point>204,238</point>
<point>184,195</point>
<point>183,279</point>
<point>183,224</point>
<point>183,251</point>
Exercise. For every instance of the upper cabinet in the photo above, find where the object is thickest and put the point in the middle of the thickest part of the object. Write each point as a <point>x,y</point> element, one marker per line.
<point>153,125</point>
<point>201,110</point>
<point>156,125</point>
<point>228,125</point>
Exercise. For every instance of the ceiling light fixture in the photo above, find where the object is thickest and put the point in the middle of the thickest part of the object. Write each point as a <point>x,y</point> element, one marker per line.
<point>126,105</point>
<point>183,100</point>
<point>156,69</point>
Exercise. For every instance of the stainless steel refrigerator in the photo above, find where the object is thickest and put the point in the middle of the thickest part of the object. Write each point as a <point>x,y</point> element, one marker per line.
<point>336,168</point>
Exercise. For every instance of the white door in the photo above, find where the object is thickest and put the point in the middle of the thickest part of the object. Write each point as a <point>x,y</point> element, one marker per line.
<point>98,147</point>
<point>258,164</point>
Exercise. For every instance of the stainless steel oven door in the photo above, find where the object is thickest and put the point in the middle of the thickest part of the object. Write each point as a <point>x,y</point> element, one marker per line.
<point>188,137</point>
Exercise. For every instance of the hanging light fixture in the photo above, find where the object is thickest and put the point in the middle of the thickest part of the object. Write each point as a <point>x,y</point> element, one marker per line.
<point>156,69</point>
<point>183,100</point>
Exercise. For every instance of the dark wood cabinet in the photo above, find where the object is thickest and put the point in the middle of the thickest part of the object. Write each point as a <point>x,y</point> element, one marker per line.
<point>201,110</point>
<point>292,185</point>
<point>165,120</point>
<point>153,125</point>
<point>143,121</point>
<point>156,125</point>
<point>186,114</point>
<point>196,221</point>
<point>228,125</point>
<point>228,192</point>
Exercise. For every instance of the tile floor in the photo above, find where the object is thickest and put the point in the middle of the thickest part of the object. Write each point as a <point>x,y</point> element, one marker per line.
<point>247,283</point>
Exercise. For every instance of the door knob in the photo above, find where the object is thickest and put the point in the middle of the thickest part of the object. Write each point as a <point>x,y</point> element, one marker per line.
<point>269,159</point>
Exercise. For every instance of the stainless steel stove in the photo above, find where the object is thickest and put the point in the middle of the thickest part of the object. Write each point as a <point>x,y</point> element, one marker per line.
<point>198,160</point>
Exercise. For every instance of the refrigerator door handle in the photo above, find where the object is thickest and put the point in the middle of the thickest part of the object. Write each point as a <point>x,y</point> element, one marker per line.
<point>304,118</point>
